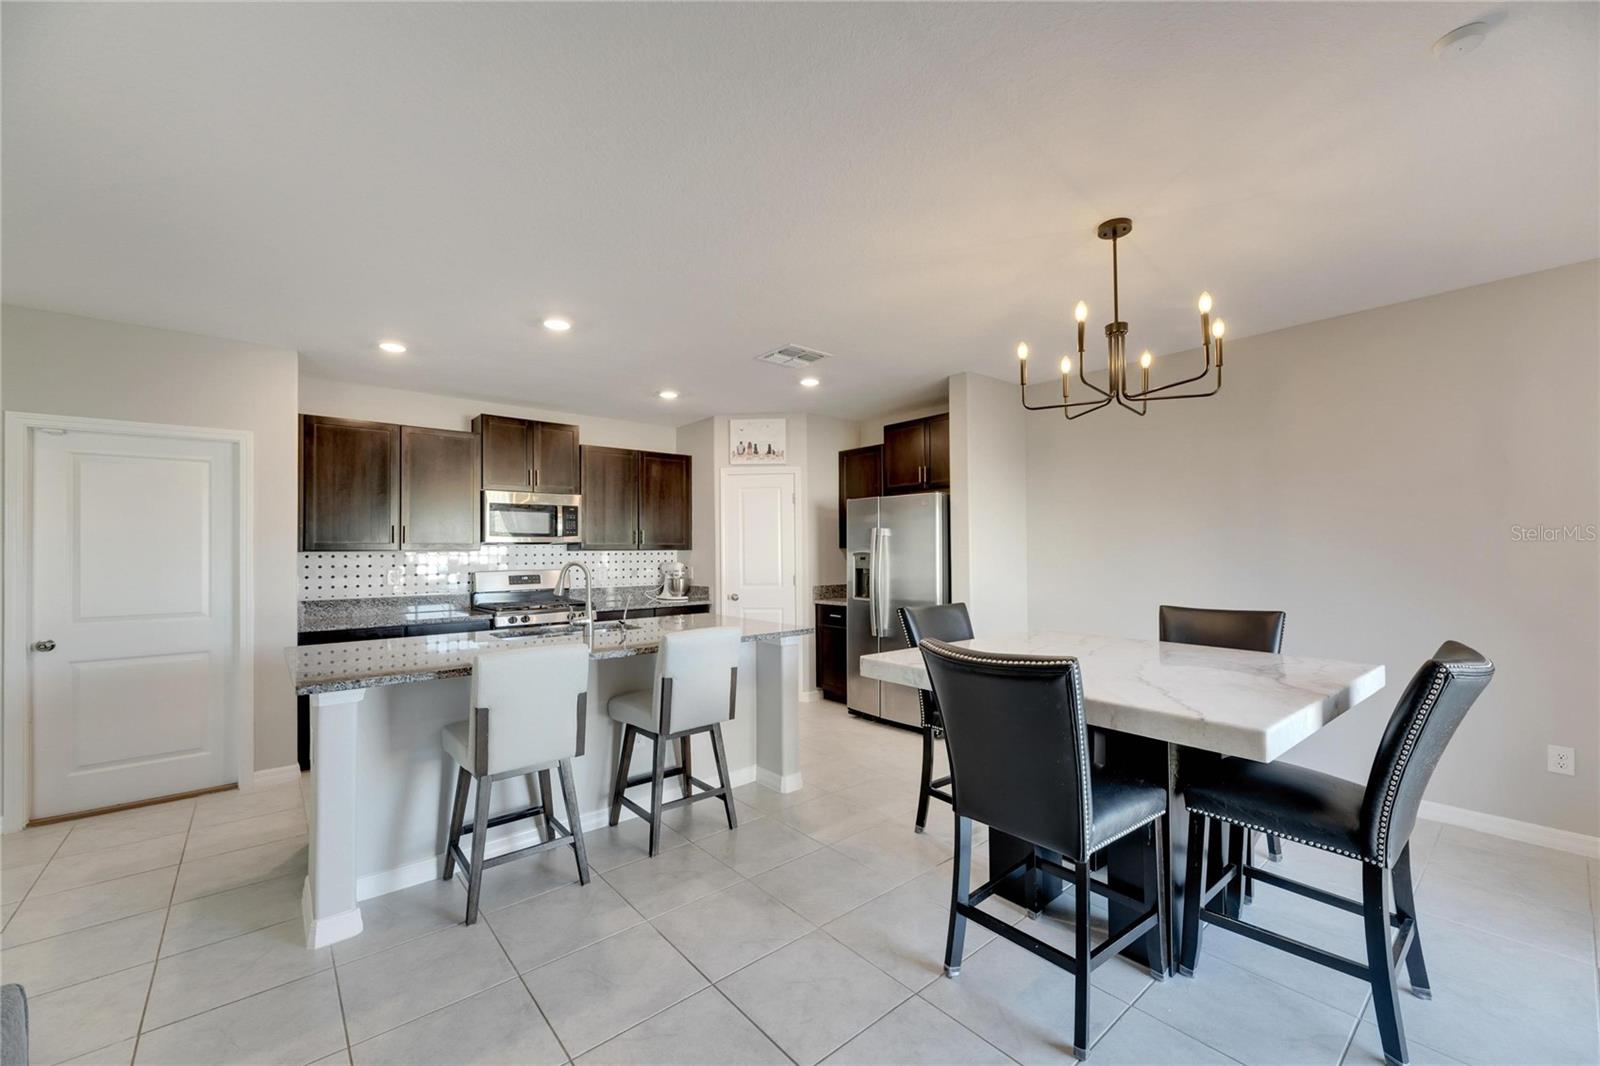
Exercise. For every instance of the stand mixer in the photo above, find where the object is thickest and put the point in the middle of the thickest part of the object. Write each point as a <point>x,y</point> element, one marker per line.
<point>674,582</point>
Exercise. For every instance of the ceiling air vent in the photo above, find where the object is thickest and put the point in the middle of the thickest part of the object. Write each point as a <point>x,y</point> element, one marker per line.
<point>792,356</point>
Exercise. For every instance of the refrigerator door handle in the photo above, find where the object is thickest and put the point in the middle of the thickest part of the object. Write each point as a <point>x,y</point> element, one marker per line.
<point>872,584</point>
<point>880,605</point>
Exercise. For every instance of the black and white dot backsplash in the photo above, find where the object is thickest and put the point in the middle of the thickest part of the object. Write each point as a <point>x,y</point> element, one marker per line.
<point>372,575</point>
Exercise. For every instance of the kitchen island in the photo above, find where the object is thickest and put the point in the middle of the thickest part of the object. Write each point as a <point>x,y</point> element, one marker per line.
<point>380,781</point>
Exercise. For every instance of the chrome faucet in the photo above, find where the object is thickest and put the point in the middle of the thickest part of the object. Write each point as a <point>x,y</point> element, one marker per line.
<point>588,591</point>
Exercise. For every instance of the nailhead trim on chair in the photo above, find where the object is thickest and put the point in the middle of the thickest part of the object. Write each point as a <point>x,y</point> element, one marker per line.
<point>1441,673</point>
<point>1280,833</point>
<point>984,658</point>
<point>922,694</point>
<point>1132,828</point>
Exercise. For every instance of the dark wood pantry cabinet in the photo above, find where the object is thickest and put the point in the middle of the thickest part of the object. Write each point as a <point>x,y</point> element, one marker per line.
<point>438,488</point>
<point>832,668</point>
<point>916,455</point>
<point>636,499</point>
<point>860,476</point>
<point>524,456</point>
<point>349,485</point>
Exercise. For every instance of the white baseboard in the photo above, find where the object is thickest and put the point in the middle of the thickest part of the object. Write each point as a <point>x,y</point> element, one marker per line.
<point>1511,829</point>
<point>275,775</point>
<point>778,782</point>
<point>320,932</point>
<point>415,873</point>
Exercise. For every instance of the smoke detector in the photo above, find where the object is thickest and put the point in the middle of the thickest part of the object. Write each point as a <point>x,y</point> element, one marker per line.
<point>1461,41</point>
<point>792,357</point>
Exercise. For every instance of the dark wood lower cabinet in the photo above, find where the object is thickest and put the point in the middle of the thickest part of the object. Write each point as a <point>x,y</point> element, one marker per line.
<point>832,668</point>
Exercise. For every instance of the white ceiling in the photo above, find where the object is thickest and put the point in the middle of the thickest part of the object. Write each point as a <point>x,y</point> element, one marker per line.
<point>909,187</point>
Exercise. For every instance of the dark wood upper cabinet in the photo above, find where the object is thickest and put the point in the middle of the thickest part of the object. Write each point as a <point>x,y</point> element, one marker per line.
<point>665,513</point>
<point>349,485</point>
<point>523,456</point>
<point>507,452</point>
<point>611,504</point>
<point>860,475</point>
<point>939,452</point>
<point>556,468</point>
<point>916,455</point>
<point>636,500</point>
<point>438,488</point>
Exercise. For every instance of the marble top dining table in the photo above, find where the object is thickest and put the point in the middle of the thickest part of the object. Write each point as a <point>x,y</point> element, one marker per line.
<point>1256,705</point>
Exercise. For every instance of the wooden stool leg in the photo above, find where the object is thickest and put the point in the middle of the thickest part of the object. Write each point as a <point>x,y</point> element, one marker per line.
<point>1405,902</point>
<point>1193,888</point>
<point>569,796</point>
<point>1274,847</point>
<point>458,811</point>
<point>480,836</point>
<point>1375,908</point>
<point>1158,946</point>
<point>960,884</point>
<point>1082,948</point>
<point>623,762</point>
<point>1249,862</point>
<point>927,777</point>
<point>657,777</point>
<point>721,756</point>
<point>547,798</point>
<point>1233,895</point>
<point>686,760</point>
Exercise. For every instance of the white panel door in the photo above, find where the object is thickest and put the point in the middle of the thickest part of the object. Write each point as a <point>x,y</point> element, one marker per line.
<point>134,574</point>
<point>758,547</point>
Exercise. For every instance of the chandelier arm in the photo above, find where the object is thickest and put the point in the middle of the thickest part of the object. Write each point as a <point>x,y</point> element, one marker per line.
<point>1093,406</point>
<point>1089,384</point>
<point>1140,411</point>
<point>1059,406</point>
<point>1151,393</point>
<point>1191,395</point>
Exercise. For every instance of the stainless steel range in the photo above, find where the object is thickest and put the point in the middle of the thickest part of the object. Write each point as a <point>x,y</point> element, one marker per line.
<point>524,598</point>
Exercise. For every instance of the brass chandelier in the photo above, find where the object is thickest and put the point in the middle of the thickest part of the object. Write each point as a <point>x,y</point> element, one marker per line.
<point>1117,388</point>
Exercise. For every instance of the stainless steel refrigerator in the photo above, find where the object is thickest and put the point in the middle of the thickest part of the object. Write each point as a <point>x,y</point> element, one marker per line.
<point>897,555</point>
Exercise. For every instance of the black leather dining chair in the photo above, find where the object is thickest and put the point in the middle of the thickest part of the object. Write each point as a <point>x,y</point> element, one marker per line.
<point>1245,631</point>
<point>1371,824</point>
<point>943,621</point>
<point>1020,762</point>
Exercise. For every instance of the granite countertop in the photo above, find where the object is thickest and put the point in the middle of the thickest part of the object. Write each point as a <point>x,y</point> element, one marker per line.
<point>400,660</point>
<point>322,615</point>
<point>832,603</point>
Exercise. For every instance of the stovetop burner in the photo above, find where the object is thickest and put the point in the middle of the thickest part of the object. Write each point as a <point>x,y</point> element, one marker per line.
<point>523,598</point>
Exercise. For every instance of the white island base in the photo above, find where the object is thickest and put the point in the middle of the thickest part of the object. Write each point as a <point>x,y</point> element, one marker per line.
<point>380,782</point>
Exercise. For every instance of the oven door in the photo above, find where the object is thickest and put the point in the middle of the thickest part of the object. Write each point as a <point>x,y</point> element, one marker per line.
<point>529,518</point>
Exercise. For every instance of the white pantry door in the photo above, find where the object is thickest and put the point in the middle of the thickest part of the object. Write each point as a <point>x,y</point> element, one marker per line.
<point>132,643</point>
<point>758,546</point>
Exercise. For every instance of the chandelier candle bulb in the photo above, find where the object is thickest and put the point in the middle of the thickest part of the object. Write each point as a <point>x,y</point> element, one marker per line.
<point>1066,383</point>
<point>1081,313</point>
<point>1022,363</point>
<point>1218,328</point>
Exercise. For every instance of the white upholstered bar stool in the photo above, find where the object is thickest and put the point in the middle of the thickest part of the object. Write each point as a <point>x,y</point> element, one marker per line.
<point>527,716</point>
<point>696,686</point>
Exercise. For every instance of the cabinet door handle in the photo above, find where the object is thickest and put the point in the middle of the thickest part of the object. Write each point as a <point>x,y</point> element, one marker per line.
<point>391,531</point>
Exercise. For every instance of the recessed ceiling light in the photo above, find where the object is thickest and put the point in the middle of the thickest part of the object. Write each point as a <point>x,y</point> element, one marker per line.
<point>809,383</point>
<point>557,324</point>
<point>668,394</point>
<point>392,347</point>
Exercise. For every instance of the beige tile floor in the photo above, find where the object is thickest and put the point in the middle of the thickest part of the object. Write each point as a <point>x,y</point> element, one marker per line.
<point>813,932</point>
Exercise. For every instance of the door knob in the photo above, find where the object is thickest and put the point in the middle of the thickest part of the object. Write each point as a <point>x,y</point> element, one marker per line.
<point>44,645</point>
<point>733,596</point>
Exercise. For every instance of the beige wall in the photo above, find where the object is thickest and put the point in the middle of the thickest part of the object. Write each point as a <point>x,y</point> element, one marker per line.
<point>870,430</point>
<point>988,504</point>
<point>67,365</point>
<point>352,399</point>
<point>1365,474</point>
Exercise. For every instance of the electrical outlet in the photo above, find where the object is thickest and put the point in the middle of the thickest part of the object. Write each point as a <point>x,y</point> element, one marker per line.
<point>1560,760</point>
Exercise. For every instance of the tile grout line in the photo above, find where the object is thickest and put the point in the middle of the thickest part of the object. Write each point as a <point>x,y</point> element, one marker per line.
<point>520,979</point>
<point>344,1022</point>
<point>138,1033</point>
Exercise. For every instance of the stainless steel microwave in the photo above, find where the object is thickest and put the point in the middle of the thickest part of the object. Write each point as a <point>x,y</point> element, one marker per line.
<point>531,518</point>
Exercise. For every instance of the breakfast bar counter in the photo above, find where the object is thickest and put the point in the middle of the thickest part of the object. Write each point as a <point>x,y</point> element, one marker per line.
<point>380,780</point>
